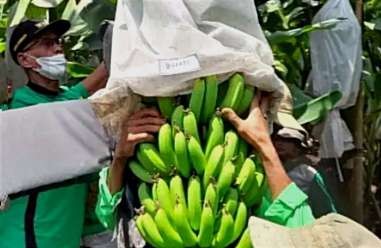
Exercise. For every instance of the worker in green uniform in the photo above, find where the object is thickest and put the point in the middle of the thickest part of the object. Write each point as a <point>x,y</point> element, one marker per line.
<point>54,217</point>
<point>284,202</point>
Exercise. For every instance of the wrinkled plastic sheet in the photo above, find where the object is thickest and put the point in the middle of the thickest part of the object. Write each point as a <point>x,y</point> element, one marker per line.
<point>336,65</point>
<point>49,143</point>
<point>159,48</point>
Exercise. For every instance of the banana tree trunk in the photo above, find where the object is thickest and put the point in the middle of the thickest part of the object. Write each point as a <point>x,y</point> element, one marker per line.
<point>354,117</point>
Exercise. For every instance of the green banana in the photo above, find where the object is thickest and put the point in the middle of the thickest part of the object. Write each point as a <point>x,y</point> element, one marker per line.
<point>246,176</point>
<point>165,143</point>
<point>225,178</point>
<point>245,241</point>
<point>243,148</point>
<point>231,145</point>
<point>164,197</point>
<point>166,105</point>
<point>231,201</point>
<point>139,225</point>
<point>177,117</point>
<point>176,189</point>
<point>151,231</point>
<point>225,234</point>
<point>140,172</point>
<point>210,99</point>
<point>247,98</point>
<point>196,155</point>
<point>182,158</point>
<point>213,164</point>
<point>240,221</point>
<point>215,134</point>
<point>182,225</point>
<point>234,93</point>
<point>211,196</point>
<point>146,200</point>
<point>154,191</point>
<point>149,157</point>
<point>190,125</point>
<point>194,202</point>
<point>254,196</point>
<point>205,236</point>
<point>197,98</point>
<point>168,232</point>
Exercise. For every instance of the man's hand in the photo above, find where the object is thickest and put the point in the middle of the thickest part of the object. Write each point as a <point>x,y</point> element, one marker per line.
<point>137,129</point>
<point>254,129</point>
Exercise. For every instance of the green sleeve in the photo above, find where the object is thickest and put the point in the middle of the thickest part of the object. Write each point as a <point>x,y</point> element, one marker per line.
<point>77,91</point>
<point>289,209</point>
<point>107,204</point>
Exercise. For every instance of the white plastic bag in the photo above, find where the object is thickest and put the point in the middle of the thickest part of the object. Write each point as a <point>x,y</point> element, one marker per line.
<point>160,47</point>
<point>336,65</point>
<point>49,143</point>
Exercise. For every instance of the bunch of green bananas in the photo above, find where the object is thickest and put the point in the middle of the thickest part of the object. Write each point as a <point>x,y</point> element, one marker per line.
<point>199,182</point>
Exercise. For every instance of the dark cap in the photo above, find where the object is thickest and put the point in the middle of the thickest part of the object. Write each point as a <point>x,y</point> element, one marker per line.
<point>27,31</point>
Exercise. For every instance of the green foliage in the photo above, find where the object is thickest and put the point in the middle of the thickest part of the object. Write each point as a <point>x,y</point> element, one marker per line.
<point>82,42</point>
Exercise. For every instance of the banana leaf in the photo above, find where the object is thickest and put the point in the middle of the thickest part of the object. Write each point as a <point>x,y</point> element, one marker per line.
<point>317,109</point>
<point>77,70</point>
<point>289,35</point>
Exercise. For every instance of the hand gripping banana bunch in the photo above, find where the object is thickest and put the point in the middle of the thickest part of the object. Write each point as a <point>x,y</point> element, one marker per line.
<point>199,184</point>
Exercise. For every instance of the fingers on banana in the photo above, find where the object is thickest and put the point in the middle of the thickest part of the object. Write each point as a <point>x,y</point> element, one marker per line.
<point>210,99</point>
<point>164,197</point>
<point>140,172</point>
<point>235,92</point>
<point>196,155</point>
<point>182,157</point>
<point>166,106</point>
<point>197,98</point>
<point>246,176</point>
<point>214,164</point>
<point>194,202</point>
<point>247,98</point>
<point>225,179</point>
<point>211,197</point>
<point>146,200</point>
<point>166,146</point>
<point>176,189</point>
<point>205,236</point>
<point>151,231</point>
<point>225,234</point>
<point>245,241</point>
<point>215,135</point>
<point>240,221</point>
<point>167,230</point>
<point>231,145</point>
<point>177,118</point>
<point>254,196</point>
<point>231,201</point>
<point>190,125</point>
<point>182,225</point>
<point>149,157</point>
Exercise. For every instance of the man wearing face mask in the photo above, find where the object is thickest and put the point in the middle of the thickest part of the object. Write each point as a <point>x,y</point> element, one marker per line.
<point>53,217</point>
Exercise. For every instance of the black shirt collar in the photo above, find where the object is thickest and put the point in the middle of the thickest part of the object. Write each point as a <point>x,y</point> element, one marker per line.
<point>42,90</point>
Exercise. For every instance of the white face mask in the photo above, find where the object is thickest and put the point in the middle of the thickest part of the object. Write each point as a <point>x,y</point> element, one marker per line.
<point>52,67</point>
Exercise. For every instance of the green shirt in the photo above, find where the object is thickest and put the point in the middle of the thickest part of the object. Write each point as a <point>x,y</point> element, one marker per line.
<point>290,208</point>
<point>56,216</point>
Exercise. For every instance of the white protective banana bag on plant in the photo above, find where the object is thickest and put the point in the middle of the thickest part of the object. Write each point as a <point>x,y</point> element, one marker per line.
<point>336,65</point>
<point>160,47</point>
